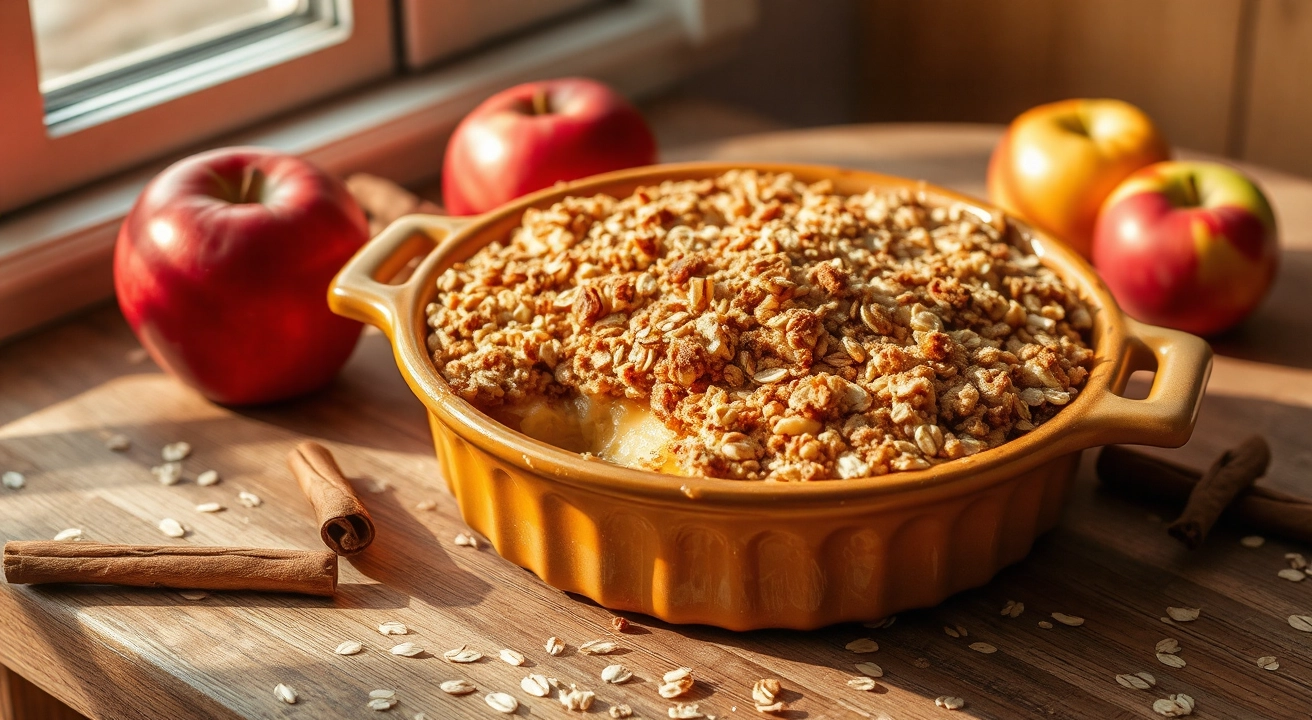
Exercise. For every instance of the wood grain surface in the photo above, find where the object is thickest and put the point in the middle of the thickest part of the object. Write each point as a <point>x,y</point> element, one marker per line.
<point>132,653</point>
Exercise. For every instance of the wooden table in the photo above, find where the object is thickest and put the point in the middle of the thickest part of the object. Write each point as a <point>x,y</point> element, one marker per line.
<point>125,653</point>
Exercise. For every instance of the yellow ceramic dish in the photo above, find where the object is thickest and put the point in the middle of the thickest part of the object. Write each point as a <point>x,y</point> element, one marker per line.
<point>745,555</point>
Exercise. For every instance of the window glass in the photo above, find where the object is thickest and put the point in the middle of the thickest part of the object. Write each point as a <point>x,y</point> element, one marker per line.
<point>79,40</point>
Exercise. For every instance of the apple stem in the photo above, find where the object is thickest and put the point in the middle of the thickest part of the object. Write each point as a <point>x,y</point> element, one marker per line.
<point>540,104</point>
<point>1190,190</point>
<point>252,185</point>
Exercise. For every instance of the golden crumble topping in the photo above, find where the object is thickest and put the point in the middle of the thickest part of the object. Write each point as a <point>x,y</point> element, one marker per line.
<point>782,331</point>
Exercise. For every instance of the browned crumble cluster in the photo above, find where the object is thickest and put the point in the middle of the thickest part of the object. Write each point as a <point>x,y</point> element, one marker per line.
<point>783,331</point>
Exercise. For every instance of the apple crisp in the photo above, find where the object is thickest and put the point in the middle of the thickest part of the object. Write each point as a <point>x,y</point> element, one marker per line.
<point>759,328</point>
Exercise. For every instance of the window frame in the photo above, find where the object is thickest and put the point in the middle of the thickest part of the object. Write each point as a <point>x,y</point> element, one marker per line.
<point>259,80</point>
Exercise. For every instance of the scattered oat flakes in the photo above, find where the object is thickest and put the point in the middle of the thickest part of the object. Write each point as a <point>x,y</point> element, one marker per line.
<point>1136,681</point>
<point>208,478</point>
<point>619,624</point>
<point>406,649</point>
<point>555,646</point>
<point>869,668</point>
<point>1296,560</point>
<point>576,699</point>
<point>426,505</point>
<point>512,656</point>
<point>392,627</point>
<point>1045,624</point>
<point>168,473</point>
<point>194,595</point>
<point>1252,541</point>
<point>881,623</point>
<point>862,683</point>
<point>862,645</point>
<point>118,442</point>
<point>1291,575</point>
<point>462,654</point>
<point>249,499</point>
<point>983,647</point>
<point>616,674</point>
<point>1301,622</point>
<point>598,647</point>
<point>1070,620</point>
<point>284,693</point>
<point>381,704</point>
<point>620,711</point>
<point>949,702</point>
<point>458,686</point>
<point>951,631</point>
<point>466,540</point>
<point>502,702</point>
<point>921,662</point>
<point>675,683</point>
<point>175,452</point>
<point>1268,662</point>
<point>536,685</point>
<point>349,647</point>
<point>209,507</point>
<point>1168,645</point>
<point>1174,706</point>
<point>382,694</point>
<point>1170,660</point>
<point>685,712</point>
<point>172,528</point>
<point>1180,614</point>
<point>13,480</point>
<point>69,534</point>
<point>1013,608</point>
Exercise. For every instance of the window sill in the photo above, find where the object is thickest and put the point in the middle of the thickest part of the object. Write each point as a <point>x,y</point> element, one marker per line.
<point>56,256</point>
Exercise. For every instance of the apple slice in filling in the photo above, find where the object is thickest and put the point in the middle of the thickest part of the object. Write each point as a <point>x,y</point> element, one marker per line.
<point>615,429</point>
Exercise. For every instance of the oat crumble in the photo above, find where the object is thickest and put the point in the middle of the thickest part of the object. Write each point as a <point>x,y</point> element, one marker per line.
<point>780,330</point>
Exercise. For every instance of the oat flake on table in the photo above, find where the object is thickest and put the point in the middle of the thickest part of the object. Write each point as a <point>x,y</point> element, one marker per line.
<point>1168,645</point>
<point>208,478</point>
<point>536,685</point>
<point>983,647</point>
<point>71,534</point>
<point>382,694</point>
<point>118,442</point>
<point>466,540</point>
<point>576,698</point>
<point>175,452</point>
<point>406,649</point>
<point>555,646</point>
<point>1252,541</point>
<point>949,702</point>
<point>1296,560</point>
<point>951,632</point>
<point>1071,620</point>
<point>1268,662</point>
<point>13,480</point>
<point>512,657</point>
<point>194,595</point>
<point>284,693</point>
<point>1137,681</point>
<point>426,505</point>
<point>1291,575</point>
<point>249,499</point>
<point>458,686</point>
<point>1174,706</point>
<point>1045,624</point>
<point>349,647</point>
<point>168,473</point>
<point>685,712</point>
<point>619,711</point>
<point>598,647</point>
<point>616,674</point>
<point>209,507</point>
<point>502,702</point>
<point>1170,660</point>
<point>1183,614</point>
<point>862,683</point>
<point>1013,609</point>
<point>1301,622</point>
<point>381,704</point>
<point>392,627</point>
<point>862,646</point>
<point>172,528</point>
<point>869,668</point>
<point>462,654</point>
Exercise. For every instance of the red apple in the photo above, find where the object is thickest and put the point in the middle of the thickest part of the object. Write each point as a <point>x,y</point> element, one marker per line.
<point>537,134</point>
<point>222,270</point>
<point>1188,245</point>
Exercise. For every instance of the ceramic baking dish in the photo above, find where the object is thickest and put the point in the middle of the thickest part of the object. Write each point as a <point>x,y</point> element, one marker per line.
<point>744,555</point>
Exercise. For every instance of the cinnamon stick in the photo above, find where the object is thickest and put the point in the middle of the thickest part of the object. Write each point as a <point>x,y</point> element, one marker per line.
<point>171,566</point>
<point>344,524</point>
<point>1232,473</point>
<point>1141,475</point>
<point>384,201</point>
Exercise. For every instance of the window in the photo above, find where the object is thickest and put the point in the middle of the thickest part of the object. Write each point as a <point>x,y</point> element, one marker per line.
<point>91,87</point>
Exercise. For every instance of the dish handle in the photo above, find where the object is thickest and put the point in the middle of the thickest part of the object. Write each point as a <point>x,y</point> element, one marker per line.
<point>1165,418</point>
<point>360,290</point>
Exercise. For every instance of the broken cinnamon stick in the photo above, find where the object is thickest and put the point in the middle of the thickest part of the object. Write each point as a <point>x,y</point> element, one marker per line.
<point>1141,475</point>
<point>171,566</point>
<point>384,201</point>
<point>1233,472</point>
<point>344,524</point>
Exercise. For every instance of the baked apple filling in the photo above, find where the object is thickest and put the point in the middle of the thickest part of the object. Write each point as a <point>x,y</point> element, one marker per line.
<point>759,328</point>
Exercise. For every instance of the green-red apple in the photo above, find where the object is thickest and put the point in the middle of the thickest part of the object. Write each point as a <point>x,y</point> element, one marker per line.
<point>1188,245</point>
